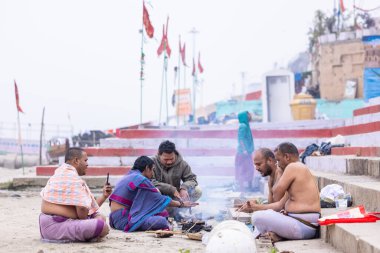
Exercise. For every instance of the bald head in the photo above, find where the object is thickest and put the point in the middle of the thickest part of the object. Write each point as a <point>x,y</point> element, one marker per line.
<point>265,152</point>
<point>264,161</point>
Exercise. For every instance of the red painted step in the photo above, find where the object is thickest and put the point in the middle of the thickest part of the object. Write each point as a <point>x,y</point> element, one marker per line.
<point>357,129</point>
<point>359,151</point>
<point>221,134</point>
<point>150,152</point>
<point>91,170</point>
<point>121,170</point>
<point>367,110</point>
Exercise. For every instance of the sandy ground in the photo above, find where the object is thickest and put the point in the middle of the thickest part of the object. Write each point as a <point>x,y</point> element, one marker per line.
<point>7,175</point>
<point>19,232</point>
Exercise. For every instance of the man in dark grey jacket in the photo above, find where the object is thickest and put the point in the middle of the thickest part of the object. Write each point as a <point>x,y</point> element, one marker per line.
<point>173,176</point>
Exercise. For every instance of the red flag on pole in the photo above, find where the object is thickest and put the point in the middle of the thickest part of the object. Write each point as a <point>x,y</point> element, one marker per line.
<point>193,73</point>
<point>199,63</point>
<point>341,6</point>
<point>182,51</point>
<point>17,99</point>
<point>162,45</point>
<point>146,21</point>
<point>164,41</point>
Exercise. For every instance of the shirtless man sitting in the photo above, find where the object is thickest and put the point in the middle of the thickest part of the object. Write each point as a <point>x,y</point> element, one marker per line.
<point>69,210</point>
<point>299,219</point>
<point>266,164</point>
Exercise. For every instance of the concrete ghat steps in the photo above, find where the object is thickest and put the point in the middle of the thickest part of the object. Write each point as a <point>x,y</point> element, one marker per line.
<point>365,190</point>
<point>348,238</point>
<point>201,170</point>
<point>40,181</point>
<point>309,246</point>
<point>91,170</point>
<point>96,182</point>
<point>357,151</point>
<point>354,237</point>
<point>351,238</point>
<point>350,164</point>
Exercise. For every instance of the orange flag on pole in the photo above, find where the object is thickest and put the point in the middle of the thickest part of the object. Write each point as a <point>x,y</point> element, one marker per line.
<point>146,21</point>
<point>17,99</point>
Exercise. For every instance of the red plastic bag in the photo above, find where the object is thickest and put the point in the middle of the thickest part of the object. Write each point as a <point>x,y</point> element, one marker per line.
<point>353,215</point>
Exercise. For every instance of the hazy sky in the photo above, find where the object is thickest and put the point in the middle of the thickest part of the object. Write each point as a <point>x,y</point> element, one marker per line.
<point>82,57</point>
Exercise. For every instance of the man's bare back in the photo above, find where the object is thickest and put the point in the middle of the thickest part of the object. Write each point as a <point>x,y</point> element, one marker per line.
<point>302,200</point>
<point>56,209</point>
<point>303,193</point>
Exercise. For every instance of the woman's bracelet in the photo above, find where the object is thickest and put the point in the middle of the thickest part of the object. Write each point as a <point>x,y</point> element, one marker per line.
<point>181,203</point>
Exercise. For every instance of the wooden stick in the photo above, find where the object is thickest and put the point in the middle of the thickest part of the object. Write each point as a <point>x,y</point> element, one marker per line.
<point>164,232</point>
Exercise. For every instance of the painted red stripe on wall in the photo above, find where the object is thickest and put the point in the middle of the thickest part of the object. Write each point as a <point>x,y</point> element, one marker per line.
<point>150,152</point>
<point>367,110</point>
<point>121,170</point>
<point>357,129</point>
<point>224,134</point>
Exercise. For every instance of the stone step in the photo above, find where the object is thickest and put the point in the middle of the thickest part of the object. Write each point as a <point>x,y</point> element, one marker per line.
<point>353,237</point>
<point>343,237</point>
<point>363,118</point>
<point>350,164</point>
<point>356,151</point>
<point>152,151</point>
<point>196,162</point>
<point>40,181</point>
<point>91,170</point>
<point>121,170</point>
<point>309,246</point>
<point>224,134</point>
<point>199,145</point>
<point>365,190</point>
<point>367,110</point>
<point>96,182</point>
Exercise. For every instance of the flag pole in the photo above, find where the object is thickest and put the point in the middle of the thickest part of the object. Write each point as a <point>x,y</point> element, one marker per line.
<point>354,7</point>
<point>194,32</point>
<point>162,89</point>
<point>166,87</point>
<point>184,86</point>
<point>164,47</point>
<point>179,80</point>
<point>20,142</point>
<point>142,68</point>
<point>42,130</point>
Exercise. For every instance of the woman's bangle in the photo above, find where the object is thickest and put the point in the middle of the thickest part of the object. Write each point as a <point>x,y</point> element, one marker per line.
<point>181,203</point>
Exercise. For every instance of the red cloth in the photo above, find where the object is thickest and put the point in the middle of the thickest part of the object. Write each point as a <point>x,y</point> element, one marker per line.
<point>182,51</point>
<point>199,63</point>
<point>353,215</point>
<point>341,6</point>
<point>164,41</point>
<point>148,25</point>
<point>17,99</point>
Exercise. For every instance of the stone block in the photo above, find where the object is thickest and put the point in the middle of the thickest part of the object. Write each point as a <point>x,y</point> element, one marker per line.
<point>374,168</point>
<point>357,166</point>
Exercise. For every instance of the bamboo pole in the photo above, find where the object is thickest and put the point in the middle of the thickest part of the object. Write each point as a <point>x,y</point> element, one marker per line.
<point>41,133</point>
